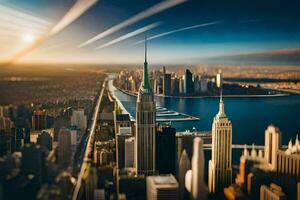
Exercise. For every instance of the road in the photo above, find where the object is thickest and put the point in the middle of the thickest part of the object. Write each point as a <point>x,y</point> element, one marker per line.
<point>88,145</point>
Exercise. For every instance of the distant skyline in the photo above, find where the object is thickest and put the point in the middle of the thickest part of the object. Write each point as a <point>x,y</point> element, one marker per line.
<point>181,31</point>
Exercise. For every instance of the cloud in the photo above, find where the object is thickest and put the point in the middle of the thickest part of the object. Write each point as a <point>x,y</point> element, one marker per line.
<point>178,30</point>
<point>80,7</point>
<point>278,57</point>
<point>129,35</point>
<point>76,11</point>
<point>142,15</point>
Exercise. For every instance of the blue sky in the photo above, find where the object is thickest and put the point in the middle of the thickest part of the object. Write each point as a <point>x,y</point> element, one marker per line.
<point>244,27</point>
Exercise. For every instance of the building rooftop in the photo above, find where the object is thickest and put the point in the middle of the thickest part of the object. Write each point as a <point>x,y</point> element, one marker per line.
<point>122,118</point>
<point>163,181</point>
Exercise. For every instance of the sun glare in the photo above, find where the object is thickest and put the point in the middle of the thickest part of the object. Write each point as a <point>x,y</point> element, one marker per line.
<point>28,38</point>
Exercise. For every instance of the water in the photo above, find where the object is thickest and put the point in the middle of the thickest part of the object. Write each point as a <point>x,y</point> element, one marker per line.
<point>249,116</point>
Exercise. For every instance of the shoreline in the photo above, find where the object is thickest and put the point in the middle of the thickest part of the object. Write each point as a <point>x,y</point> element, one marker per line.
<point>217,96</point>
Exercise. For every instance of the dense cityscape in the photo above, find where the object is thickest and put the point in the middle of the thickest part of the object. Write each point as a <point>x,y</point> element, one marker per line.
<point>76,124</point>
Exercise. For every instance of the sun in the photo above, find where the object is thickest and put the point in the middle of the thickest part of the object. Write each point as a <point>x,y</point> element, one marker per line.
<point>28,38</point>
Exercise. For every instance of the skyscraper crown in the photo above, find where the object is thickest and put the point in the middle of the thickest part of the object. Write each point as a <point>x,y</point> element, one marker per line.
<point>145,86</point>
<point>221,113</point>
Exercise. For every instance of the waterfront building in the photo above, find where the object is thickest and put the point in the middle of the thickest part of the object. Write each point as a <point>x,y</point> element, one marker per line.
<point>197,84</point>
<point>145,125</point>
<point>165,157</point>
<point>39,120</point>
<point>219,79</point>
<point>166,84</point>
<point>64,147</point>
<point>181,85</point>
<point>79,119</point>
<point>162,188</point>
<point>220,170</point>
<point>184,167</point>
<point>272,144</point>
<point>174,86</point>
<point>274,192</point>
<point>188,82</point>
<point>203,85</point>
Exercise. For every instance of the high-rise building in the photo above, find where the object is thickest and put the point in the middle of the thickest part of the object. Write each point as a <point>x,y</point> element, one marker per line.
<point>199,188</point>
<point>120,149</point>
<point>162,188</point>
<point>3,143</point>
<point>220,171</point>
<point>288,160</point>
<point>39,120</point>
<point>219,80</point>
<point>64,147</point>
<point>17,139</point>
<point>165,157</point>
<point>181,85</point>
<point>122,124</point>
<point>79,119</point>
<point>184,166</point>
<point>174,86</point>
<point>188,82</point>
<point>33,161</point>
<point>45,140</point>
<point>166,84</point>
<point>145,125</point>
<point>129,153</point>
<point>203,85</point>
<point>274,192</point>
<point>272,144</point>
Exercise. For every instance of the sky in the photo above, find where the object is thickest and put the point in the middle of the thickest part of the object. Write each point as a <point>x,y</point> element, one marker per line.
<point>179,31</point>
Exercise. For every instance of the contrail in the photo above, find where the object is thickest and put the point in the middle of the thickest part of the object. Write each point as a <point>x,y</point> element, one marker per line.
<point>142,15</point>
<point>129,35</point>
<point>75,11</point>
<point>178,30</point>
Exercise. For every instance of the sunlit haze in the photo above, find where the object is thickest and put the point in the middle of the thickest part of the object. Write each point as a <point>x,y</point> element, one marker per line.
<point>179,31</point>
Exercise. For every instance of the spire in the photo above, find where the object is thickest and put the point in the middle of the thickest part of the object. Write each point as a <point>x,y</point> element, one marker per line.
<point>145,84</point>
<point>221,105</point>
<point>145,49</point>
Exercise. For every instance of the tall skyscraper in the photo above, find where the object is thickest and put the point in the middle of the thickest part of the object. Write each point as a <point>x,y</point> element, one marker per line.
<point>33,161</point>
<point>219,79</point>
<point>45,140</point>
<point>145,125</point>
<point>64,147</point>
<point>39,120</point>
<point>220,171</point>
<point>184,166</point>
<point>199,189</point>
<point>174,86</point>
<point>166,84</point>
<point>188,82</point>
<point>129,152</point>
<point>272,144</point>
<point>165,157</point>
